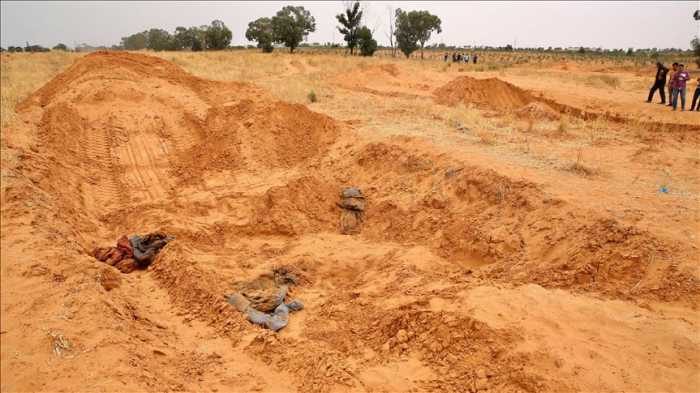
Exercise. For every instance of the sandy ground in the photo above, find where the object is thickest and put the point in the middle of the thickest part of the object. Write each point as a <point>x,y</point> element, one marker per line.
<point>526,249</point>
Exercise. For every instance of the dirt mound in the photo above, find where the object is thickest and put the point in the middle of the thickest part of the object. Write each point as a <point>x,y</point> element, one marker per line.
<point>389,80</point>
<point>261,133</point>
<point>491,91</point>
<point>570,66</point>
<point>127,119</point>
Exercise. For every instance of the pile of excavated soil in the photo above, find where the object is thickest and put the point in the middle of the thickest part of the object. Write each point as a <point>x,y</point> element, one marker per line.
<point>459,279</point>
<point>490,91</point>
<point>389,80</point>
<point>570,66</point>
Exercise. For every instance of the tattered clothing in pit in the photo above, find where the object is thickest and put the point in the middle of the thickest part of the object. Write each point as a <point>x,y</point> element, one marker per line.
<point>134,253</point>
<point>145,248</point>
<point>266,307</point>
<point>353,202</point>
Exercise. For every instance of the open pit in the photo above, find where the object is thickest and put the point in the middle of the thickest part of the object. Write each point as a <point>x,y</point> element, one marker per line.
<point>461,278</point>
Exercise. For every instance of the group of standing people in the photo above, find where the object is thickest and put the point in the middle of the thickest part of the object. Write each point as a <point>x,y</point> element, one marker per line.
<point>458,57</point>
<point>676,86</point>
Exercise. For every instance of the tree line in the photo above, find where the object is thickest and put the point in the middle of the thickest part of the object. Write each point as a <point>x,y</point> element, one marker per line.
<point>408,32</point>
<point>288,27</point>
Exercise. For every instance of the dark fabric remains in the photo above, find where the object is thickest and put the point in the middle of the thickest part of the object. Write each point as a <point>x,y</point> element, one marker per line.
<point>145,248</point>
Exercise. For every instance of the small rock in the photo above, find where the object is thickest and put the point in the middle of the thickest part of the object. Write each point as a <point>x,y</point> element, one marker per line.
<point>111,278</point>
<point>481,373</point>
<point>386,347</point>
<point>215,355</point>
<point>482,384</point>
<point>401,336</point>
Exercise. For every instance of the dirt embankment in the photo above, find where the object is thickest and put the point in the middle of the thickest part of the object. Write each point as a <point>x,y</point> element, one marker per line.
<point>125,143</point>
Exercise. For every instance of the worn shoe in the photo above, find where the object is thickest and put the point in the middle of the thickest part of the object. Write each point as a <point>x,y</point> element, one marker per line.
<point>662,103</point>
<point>648,102</point>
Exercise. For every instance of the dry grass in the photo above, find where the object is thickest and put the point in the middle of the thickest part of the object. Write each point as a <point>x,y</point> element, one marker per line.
<point>467,116</point>
<point>24,73</point>
<point>60,344</point>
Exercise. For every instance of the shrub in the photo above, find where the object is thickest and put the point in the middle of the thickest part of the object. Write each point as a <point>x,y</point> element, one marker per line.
<point>312,96</point>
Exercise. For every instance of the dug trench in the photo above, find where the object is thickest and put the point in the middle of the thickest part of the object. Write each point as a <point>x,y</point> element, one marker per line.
<point>461,278</point>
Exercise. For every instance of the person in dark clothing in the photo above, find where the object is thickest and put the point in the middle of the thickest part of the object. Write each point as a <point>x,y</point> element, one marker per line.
<point>454,57</point>
<point>446,57</point>
<point>475,57</point>
<point>696,105</point>
<point>659,83</point>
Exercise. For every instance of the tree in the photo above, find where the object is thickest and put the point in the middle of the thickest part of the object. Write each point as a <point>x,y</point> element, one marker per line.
<point>414,27</point>
<point>260,31</point>
<point>509,48</point>
<point>406,39</point>
<point>292,25</point>
<point>62,47</point>
<point>424,23</point>
<point>367,44</point>
<point>630,51</point>
<point>136,41</point>
<point>218,36</point>
<point>392,27</point>
<point>13,49</point>
<point>182,39</point>
<point>199,38</point>
<point>695,43</point>
<point>35,48</point>
<point>581,50</point>
<point>350,22</point>
<point>160,40</point>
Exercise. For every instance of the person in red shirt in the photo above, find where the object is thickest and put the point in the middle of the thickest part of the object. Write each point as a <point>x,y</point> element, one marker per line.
<point>679,80</point>
<point>674,67</point>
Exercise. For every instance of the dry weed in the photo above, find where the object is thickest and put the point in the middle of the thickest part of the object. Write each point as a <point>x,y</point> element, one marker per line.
<point>60,344</point>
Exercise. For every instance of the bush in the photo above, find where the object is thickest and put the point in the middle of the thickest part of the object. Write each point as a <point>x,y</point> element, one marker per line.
<point>312,96</point>
<point>367,44</point>
<point>267,48</point>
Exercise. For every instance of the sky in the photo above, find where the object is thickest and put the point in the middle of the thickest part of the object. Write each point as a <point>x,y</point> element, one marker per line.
<point>606,24</point>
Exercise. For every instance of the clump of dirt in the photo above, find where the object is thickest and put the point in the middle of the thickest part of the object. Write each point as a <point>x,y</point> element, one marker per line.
<point>490,91</point>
